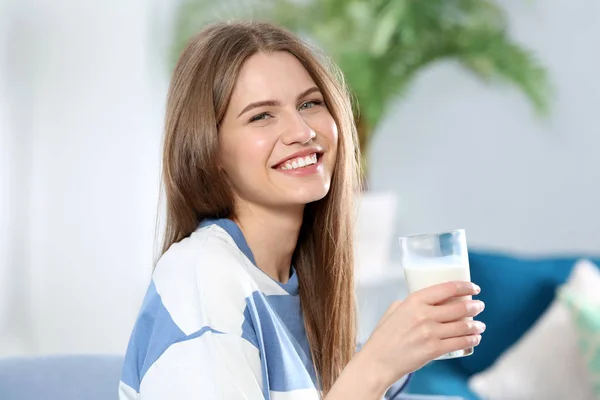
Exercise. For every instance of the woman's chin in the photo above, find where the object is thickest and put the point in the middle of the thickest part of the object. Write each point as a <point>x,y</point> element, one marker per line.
<point>307,195</point>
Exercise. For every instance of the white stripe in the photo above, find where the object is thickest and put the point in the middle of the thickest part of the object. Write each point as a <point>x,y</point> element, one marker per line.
<point>202,283</point>
<point>263,282</point>
<point>127,393</point>
<point>212,366</point>
<point>174,278</point>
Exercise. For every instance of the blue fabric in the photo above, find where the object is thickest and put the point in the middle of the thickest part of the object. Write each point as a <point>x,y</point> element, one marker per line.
<point>154,330</point>
<point>282,351</point>
<point>253,332</point>
<point>79,377</point>
<point>441,378</point>
<point>290,312</point>
<point>516,291</point>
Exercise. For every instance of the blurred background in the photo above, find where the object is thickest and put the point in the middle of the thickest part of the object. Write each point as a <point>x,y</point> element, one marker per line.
<point>474,115</point>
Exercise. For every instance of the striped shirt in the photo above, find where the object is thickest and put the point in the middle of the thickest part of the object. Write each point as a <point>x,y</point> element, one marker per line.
<point>214,326</point>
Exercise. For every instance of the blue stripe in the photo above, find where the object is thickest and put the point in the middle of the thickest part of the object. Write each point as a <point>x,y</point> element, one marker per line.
<point>253,332</point>
<point>199,333</point>
<point>289,311</point>
<point>292,284</point>
<point>287,362</point>
<point>153,333</point>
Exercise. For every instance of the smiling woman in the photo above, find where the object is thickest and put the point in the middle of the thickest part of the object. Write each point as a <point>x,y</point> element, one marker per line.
<point>253,296</point>
<point>270,149</point>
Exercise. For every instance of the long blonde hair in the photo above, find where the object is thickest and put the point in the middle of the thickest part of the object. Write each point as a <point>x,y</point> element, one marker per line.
<point>195,188</point>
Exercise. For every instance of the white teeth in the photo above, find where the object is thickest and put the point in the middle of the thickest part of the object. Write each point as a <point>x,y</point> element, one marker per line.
<point>300,162</point>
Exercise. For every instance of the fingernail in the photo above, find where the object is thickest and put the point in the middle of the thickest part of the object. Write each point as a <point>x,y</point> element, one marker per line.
<point>477,288</point>
<point>481,326</point>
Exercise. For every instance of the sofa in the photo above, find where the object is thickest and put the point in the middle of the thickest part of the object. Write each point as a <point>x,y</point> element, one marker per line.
<point>516,291</point>
<point>60,377</point>
<point>79,377</point>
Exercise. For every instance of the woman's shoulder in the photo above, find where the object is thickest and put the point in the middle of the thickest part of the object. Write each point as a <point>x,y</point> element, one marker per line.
<point>199,285</point>
<point>202,251</point>
<point>207,262</point>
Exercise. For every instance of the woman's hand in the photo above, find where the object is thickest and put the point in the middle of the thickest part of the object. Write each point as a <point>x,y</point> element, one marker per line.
<point>428,324</point>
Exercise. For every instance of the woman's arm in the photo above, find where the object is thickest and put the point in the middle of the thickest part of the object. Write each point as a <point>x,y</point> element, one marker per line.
<point>409,335</point>
<point>359,381</point>
<point>397,387</point>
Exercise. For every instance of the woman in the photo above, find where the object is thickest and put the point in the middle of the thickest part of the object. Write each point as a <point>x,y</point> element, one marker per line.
<point>253,297</point>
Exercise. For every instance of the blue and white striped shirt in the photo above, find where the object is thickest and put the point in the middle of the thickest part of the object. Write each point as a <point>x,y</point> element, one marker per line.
<point>214,326</point>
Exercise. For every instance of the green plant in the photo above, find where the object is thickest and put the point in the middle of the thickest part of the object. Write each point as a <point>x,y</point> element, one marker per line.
<point>380,45</point>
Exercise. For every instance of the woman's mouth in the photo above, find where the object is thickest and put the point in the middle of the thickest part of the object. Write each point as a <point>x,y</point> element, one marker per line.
<point>299,162</point>
<point>305,165</point>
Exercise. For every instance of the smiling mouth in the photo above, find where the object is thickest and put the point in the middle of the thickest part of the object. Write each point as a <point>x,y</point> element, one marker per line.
<point>299,162</point>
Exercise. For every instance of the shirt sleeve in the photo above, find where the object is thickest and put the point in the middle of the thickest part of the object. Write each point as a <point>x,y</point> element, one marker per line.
<point>211,366</point>
<point>188,341</point>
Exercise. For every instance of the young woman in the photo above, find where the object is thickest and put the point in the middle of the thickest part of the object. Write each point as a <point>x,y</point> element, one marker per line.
<point>253,297</point>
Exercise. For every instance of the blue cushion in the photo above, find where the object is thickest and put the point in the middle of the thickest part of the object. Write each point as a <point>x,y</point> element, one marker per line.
<point>440,378</point>
<point>60,378</point>
<point>516,291</point>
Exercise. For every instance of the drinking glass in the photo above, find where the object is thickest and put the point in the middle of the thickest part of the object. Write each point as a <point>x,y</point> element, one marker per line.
<point>432,258</point>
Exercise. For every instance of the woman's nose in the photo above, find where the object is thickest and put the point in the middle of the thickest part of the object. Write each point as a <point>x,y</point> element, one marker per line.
<point>297,130</point>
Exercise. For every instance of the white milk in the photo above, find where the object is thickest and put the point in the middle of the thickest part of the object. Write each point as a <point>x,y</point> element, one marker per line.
<point>421,273</point>
<point>424,274</point>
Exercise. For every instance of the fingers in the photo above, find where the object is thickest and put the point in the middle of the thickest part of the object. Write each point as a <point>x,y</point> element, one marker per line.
<point>444,291</point>
<point>465,327</point>
<point>457,343</point>
<point>456,310</point>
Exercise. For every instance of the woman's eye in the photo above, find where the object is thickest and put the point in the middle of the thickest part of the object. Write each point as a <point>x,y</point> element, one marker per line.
<point>310,104</point>
<point>260,116</point>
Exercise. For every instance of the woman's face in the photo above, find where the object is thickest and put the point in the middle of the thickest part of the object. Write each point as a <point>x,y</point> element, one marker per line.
<point>278,141</point>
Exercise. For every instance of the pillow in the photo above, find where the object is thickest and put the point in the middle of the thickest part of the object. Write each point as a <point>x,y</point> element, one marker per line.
<point>545,363</point>
<point>585,314</point>
<point>509,282</point>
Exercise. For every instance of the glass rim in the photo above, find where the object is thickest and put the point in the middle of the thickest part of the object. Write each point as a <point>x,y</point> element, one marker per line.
<point>417,235</point>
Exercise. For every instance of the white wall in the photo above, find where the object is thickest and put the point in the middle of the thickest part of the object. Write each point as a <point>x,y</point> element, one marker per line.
<point>15,173</point>
<point>460,153</point>
<point>5,167</point>
<point>98,94</point>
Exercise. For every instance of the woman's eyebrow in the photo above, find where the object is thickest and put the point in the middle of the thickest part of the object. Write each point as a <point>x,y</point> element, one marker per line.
<point>274,103</point>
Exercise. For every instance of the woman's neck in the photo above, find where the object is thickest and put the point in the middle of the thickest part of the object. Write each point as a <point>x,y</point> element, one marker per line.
<point>272,236</point>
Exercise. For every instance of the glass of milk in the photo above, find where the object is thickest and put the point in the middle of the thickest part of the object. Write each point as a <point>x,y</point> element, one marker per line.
<point>432,258</point>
